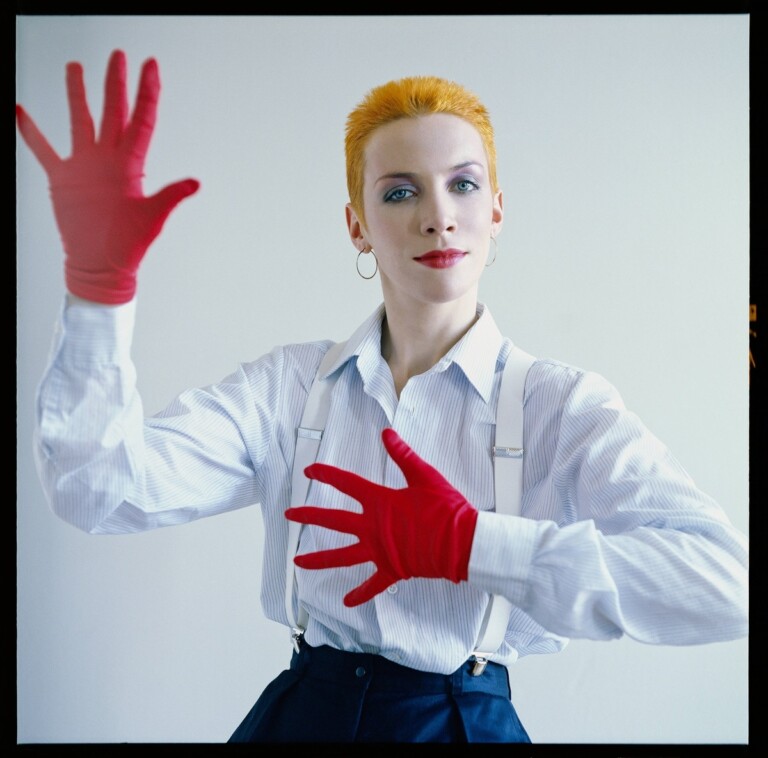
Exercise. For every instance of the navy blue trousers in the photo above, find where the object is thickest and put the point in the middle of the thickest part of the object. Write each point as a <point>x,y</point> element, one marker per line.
<point>331,696</point>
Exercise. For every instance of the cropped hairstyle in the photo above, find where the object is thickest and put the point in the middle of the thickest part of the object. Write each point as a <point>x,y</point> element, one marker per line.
<point>407,98</point>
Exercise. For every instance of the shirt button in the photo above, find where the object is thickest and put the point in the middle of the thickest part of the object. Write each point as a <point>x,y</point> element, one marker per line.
<point>359,671</point>
<point>392,589</point>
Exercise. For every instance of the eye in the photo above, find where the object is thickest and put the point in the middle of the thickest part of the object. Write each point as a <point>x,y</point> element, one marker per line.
<point>398,195</point>
<point>466,185</point>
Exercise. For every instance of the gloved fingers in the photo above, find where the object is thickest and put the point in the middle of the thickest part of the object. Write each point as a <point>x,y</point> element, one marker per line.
<point>330,518</point>
<point>36,141</point>
<point>351,484</point>
<point>415,469</point>
<point>115,115</point>
<point>144,116</point>
<point>337,557</point>
<point>81,123</point>
<point>369,589</point>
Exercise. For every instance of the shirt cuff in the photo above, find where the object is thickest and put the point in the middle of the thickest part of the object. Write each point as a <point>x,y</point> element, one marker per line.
<point>96,334</point>
<point>502,554</point>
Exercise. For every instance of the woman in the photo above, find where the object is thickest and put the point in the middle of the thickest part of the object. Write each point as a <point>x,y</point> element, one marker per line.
<point>404,539</point>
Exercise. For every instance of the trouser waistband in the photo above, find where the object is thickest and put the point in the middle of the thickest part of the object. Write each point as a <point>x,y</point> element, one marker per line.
<point>379,674</point>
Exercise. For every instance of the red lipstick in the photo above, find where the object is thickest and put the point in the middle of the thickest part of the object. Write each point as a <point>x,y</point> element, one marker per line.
<point>441,258</point>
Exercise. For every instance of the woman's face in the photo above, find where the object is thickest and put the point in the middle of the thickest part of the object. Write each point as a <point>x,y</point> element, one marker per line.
<point>429,209</point>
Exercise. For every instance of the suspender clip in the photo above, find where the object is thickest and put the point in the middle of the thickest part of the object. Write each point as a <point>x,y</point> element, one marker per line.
<point>297,635</point>
<point>480,663</point>
<point>503,451</point>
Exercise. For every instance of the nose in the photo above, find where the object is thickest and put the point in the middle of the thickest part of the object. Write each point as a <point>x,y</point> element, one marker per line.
<point>438,215</point>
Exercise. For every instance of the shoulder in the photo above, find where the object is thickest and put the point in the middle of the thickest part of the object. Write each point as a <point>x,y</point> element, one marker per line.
<point>563,389</point>
<point>292,363</point>
<point>551,375</point>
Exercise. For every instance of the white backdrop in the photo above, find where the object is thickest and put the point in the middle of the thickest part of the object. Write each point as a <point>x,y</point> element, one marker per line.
<point>623,154</point>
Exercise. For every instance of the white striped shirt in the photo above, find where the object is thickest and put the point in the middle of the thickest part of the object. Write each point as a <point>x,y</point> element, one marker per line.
<point>614,537</point>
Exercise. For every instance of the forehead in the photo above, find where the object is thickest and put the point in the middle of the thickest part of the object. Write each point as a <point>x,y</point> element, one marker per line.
<point>430,142</point>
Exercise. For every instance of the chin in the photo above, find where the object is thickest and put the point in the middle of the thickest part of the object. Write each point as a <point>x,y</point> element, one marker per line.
<point>448,295</point>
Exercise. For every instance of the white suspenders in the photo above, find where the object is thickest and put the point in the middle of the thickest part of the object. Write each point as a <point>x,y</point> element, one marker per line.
<point>308,437</point>
<point>508,484</point>
<point>508,488</point>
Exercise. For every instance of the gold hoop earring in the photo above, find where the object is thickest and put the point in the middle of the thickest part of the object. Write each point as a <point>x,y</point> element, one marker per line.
<point>495,252</point>
<point>376,263</point>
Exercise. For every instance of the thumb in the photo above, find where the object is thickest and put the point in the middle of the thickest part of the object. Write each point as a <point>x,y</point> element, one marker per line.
<point>164,201</point>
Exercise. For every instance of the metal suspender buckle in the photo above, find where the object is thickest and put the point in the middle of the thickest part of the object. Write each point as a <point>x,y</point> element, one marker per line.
<point>297,635</point>
<point>480,663</point>
<point>502,451</point>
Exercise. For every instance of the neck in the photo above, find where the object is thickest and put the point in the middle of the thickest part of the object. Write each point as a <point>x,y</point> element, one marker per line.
<point>415,338</point>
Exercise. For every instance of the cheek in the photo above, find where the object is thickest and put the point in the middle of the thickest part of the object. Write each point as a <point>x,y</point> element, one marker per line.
<point>386,224</point>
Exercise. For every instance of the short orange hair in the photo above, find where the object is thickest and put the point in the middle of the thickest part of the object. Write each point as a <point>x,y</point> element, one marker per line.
<point>407,98</point>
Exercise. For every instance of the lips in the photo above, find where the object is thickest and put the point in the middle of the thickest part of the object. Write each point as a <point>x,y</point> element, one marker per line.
<point>441,258</point>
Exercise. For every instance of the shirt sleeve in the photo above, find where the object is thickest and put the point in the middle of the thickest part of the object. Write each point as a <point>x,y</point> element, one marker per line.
<point>105,468</point>
<point>631,547</point>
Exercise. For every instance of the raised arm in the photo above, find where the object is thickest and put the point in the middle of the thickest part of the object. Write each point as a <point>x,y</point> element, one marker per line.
<point>93,446</point>
<point>105,220</point>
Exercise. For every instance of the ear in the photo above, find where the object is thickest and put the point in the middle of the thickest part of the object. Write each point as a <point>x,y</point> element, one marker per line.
<point>355,228</point>
<point>497,216</point>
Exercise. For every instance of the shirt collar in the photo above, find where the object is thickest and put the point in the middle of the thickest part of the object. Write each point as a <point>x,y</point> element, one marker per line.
<point>365,341</point>
<point>475,353</point>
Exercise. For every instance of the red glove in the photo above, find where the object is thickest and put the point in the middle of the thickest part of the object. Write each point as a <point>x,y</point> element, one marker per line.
<point>425,529</point>
<point>105,221</point>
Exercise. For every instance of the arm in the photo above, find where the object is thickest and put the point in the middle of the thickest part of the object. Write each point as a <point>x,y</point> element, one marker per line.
<point>637,548</point>
<point>102,467</point>
<point>105,468</point>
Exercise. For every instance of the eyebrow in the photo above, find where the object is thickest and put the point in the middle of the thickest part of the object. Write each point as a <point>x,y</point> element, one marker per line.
<point>411,175</point>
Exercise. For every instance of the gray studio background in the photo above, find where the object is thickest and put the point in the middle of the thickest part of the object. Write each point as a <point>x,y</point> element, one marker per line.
<point>623,154</point>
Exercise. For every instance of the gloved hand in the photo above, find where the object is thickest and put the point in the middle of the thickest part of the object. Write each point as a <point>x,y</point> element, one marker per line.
<point>105,221</point>
<point>425,529</point>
